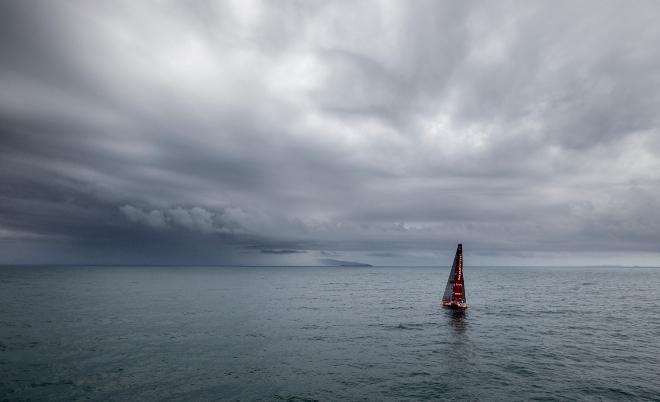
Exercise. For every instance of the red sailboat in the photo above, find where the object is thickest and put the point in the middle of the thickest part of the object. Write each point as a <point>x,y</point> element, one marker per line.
<point>454,296</point>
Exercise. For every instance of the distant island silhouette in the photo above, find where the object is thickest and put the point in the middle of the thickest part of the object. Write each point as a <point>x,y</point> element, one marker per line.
<point>340,263</point>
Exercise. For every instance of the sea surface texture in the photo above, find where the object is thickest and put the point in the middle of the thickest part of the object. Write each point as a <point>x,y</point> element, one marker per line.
<point>294,334</point>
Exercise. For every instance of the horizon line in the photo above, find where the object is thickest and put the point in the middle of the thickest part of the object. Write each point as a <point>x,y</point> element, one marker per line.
<point>315,266</point>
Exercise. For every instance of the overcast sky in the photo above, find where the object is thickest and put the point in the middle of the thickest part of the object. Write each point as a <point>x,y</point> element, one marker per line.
<point>312,132</point>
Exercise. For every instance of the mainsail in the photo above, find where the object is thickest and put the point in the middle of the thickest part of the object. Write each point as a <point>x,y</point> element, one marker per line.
<point>454,295</point>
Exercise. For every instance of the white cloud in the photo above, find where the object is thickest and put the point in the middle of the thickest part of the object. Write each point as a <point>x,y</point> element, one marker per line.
<point>153,218</point>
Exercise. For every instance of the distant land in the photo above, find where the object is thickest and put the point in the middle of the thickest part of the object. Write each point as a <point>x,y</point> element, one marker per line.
<point>340,263</point>
<point>324,263</point>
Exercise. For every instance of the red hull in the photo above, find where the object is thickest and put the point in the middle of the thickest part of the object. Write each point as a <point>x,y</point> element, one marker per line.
<point>455,305</point>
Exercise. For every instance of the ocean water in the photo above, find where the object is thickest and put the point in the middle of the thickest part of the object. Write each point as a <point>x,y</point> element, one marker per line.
<point>296,333</point>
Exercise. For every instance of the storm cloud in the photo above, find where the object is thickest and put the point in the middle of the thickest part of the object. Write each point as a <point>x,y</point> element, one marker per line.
<point>289,132</point>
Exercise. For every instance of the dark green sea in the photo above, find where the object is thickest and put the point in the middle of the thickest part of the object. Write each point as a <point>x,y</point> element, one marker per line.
<point>309,333</point>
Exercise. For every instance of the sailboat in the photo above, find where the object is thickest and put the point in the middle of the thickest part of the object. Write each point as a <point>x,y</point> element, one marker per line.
<point>454,296</point>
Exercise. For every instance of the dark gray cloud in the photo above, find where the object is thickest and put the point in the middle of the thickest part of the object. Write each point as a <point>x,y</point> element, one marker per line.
<point>298,132</point>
